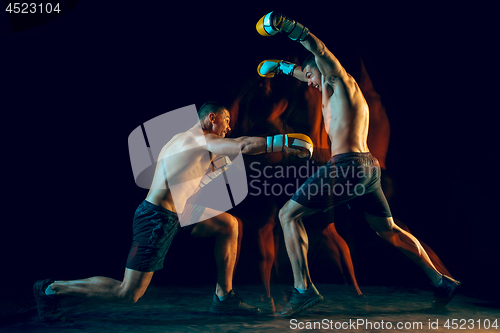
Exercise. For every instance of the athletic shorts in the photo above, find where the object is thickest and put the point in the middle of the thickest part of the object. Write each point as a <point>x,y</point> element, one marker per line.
<point>352,178</point>
<point>154,229</point>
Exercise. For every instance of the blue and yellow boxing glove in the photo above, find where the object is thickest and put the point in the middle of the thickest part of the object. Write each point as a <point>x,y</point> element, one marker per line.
<point>271,67</point>
<point>274,22</point>
<point>298,141</point>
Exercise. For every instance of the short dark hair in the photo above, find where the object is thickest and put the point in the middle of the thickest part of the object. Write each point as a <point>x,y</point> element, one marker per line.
<point>210,107</point>
<point>309,60</point>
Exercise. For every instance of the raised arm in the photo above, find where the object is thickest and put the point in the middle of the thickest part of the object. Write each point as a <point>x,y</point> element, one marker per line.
<point>328,64</point>
<point>298,74</point>
<point>274,22</point>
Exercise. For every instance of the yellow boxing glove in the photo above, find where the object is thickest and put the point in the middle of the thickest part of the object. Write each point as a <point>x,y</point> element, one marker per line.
<point>271,67</point>
<point>298,141</point>
<point>274,22</point>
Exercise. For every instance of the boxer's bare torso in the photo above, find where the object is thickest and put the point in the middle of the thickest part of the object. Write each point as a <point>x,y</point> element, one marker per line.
<point>187,157</point>
<point>181,164</point>
<point>345,111</point>
<point>346,115</point>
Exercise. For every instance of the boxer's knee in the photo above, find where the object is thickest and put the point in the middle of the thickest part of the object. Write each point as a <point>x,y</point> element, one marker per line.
<point>221,225</point>
<point>228,225</point>
<point>128,293</point>
<point>232,225</point>
<point>133,286</point>
<point>292,212</point>
<point>285,215</point>
<point>129,296</point>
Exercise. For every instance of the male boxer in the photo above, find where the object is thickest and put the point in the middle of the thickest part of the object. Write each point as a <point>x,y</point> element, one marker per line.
<point>185,160</point>
<point>351,175</point>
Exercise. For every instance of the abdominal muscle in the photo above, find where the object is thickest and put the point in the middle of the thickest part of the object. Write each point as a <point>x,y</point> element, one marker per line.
<point>177,175</point>
<point>173,197</point>
<point>346,116</point>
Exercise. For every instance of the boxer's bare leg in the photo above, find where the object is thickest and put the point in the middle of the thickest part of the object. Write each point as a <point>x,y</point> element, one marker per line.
<point>266,246</point>
<point>340,251</point>
<point>296,240</point>
<point>129,290</point>
<point>304,295</point>
<point>225,228</point>
<point>406,243</point>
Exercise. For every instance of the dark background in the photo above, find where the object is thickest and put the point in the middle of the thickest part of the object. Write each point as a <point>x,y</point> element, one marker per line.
<point>75,87</point>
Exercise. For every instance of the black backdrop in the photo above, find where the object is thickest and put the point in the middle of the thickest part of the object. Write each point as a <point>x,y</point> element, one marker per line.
<point>75,87</point>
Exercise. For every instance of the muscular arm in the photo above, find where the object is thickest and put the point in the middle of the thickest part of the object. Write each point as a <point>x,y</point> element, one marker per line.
<point>327,63</point>
<point>249,145</point>
<point>298,74</point>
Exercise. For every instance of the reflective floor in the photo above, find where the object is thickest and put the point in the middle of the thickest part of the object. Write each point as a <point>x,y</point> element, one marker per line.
<point>182,309</point>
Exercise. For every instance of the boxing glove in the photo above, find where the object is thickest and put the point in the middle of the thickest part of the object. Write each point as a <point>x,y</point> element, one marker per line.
<point>274,22</point>
<point>301,142</point>
<point>271,67</point>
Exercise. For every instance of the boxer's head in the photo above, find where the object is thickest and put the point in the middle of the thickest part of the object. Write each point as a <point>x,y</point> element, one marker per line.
<point>311,71</point>
<point>214,117</point>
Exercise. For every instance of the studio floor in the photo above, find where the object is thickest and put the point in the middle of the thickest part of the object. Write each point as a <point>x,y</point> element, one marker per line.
<point>184,309</point>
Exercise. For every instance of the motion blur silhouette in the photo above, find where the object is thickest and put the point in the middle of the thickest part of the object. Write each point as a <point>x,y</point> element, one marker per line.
<point>271,106</point>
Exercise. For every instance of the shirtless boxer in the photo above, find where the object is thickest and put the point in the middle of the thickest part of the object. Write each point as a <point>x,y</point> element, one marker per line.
<point>351,175</point>
<point>185,159</point>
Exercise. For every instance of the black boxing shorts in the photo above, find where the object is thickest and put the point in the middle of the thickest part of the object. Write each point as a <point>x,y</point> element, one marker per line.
<point>352,178</point>
<point>154,228</point>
